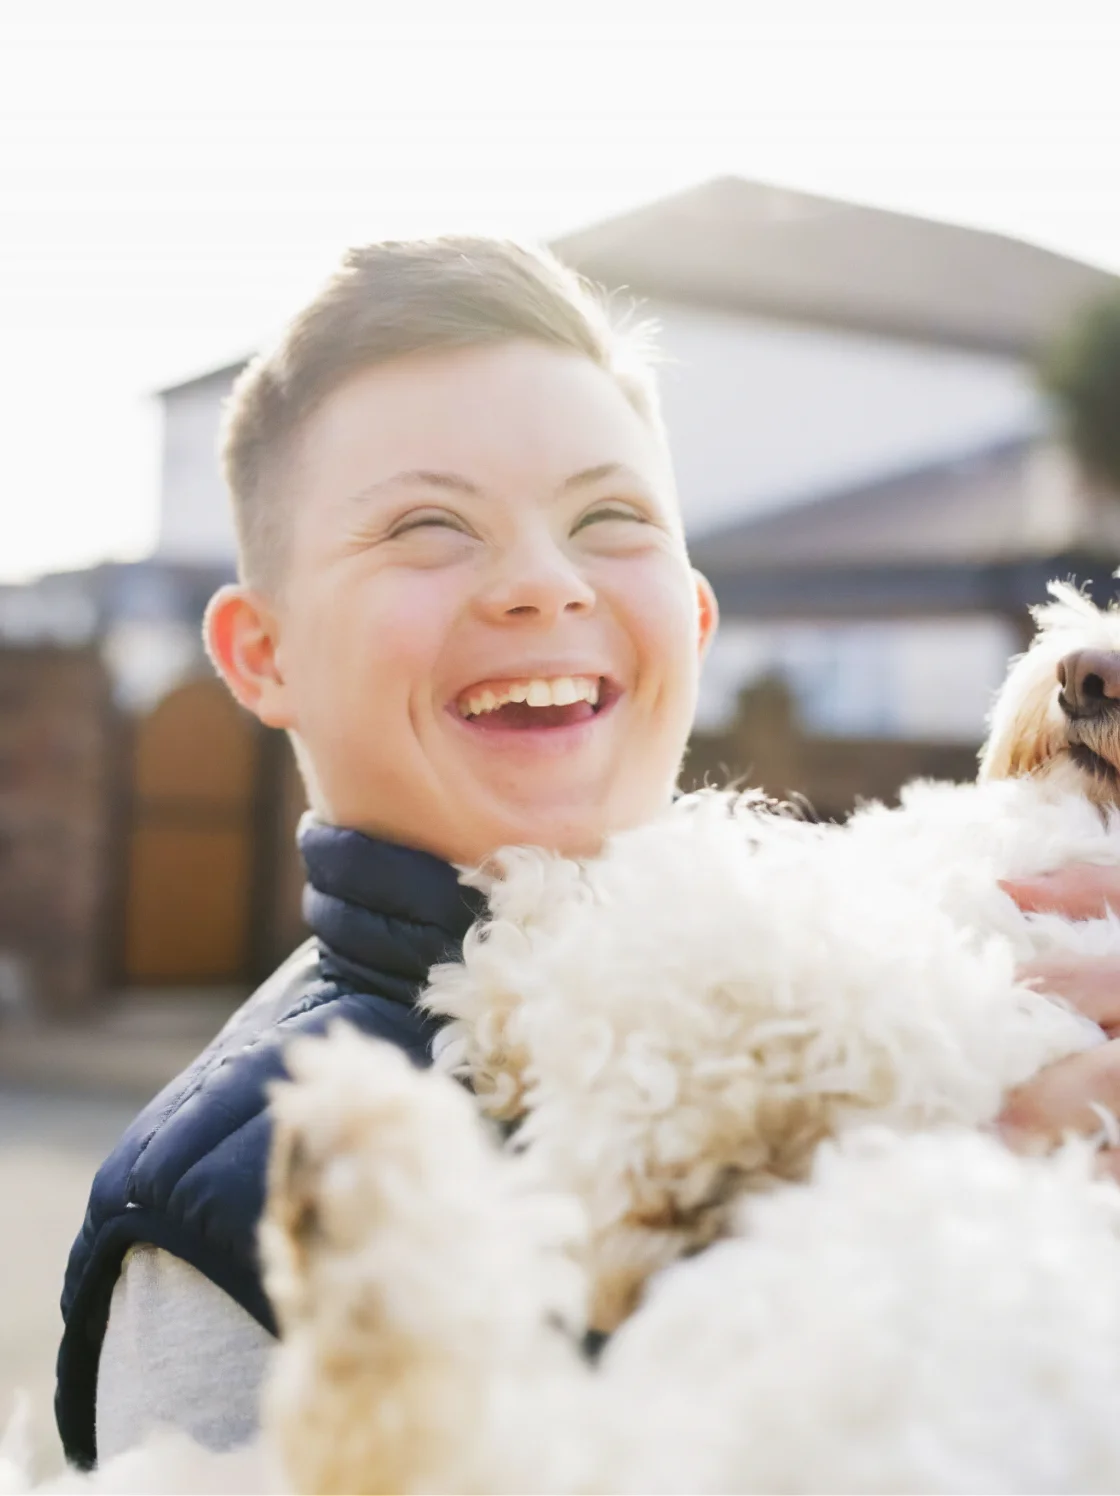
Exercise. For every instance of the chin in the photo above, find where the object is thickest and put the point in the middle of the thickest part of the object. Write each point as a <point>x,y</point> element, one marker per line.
<point>568,836</point>
<point>578,831</point>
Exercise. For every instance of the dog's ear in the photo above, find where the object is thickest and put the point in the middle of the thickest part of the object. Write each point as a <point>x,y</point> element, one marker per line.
<point>1014,757</point>
<point>1025,731</point>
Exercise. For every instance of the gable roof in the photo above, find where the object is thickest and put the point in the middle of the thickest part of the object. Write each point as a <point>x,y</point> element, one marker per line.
<point>749,247</point>
<point>951,510</point>
<point>221,377</point>
<point>1005,503</point>
<point>753,248</point>
<point>975,535</point>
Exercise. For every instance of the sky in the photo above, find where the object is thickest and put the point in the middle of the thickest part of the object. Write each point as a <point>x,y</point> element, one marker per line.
<point>174,180</point>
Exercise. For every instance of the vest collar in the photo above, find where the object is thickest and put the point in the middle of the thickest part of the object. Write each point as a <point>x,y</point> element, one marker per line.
<point>382,909</point>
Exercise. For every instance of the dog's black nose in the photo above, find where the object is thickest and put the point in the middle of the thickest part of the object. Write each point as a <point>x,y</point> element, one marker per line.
<point>1090,682</point>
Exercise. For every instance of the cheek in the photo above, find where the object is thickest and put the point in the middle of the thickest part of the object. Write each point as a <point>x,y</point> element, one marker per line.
<point>367,646</point>
<point>662,617</point>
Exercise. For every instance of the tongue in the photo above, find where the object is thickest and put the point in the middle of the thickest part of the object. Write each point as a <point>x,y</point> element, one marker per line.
<point>519,715</point>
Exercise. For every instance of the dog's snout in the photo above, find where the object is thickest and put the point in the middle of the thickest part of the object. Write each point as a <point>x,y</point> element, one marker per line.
<point>1090,682</point>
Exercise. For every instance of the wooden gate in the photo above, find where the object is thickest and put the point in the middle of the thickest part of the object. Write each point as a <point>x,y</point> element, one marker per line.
<point>189,903</point>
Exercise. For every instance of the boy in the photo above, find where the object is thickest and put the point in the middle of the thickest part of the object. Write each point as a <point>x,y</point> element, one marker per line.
<point>465,595</point>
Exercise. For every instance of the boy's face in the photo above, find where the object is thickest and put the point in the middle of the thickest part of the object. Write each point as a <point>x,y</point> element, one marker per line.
<point>470,527</point>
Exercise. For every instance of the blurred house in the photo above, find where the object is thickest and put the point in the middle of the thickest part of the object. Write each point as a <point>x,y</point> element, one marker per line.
<point>845,389</point>
<point>891,607</point>
<point>867,474</point>
<point>866,465</point>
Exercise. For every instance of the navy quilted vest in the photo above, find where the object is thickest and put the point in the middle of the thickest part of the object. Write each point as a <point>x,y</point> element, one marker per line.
<point>189,1174</point>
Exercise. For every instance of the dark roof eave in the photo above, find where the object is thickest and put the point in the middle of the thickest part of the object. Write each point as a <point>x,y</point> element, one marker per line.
<point>912,589</point>
<point>720,545</point>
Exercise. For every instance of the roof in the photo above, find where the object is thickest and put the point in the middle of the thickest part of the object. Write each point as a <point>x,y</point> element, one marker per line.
<point>223,375</point>
<point>1008,502</point>
<point>974,534</point>
<point>771,251</point>
<point>75,607</point>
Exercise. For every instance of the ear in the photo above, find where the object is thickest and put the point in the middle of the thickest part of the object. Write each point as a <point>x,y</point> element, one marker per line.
<point>241,632</point>
<point>1024,734</point>
<point>709,611</point>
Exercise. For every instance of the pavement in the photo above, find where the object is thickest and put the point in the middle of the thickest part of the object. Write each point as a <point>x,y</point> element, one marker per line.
<point>66,1094</point>
<point>50,1146</point>
<point>131,1050</point>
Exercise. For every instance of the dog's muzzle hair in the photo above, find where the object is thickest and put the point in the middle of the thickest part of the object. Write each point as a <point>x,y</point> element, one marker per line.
<point>1058,713</point>
<point>1089,698</point>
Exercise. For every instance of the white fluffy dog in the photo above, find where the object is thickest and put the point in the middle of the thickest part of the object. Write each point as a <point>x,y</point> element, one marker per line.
<point>732,1027</point>
<point>928,1314</point>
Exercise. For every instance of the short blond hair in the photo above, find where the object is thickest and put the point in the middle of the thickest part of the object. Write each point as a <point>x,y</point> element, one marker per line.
<point>389,300</point>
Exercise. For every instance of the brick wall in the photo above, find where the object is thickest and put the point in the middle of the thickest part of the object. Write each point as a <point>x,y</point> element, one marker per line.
<point>57,761</point>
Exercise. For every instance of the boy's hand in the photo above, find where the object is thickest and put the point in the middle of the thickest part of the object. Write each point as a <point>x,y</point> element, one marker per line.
<point>1058,1100</point>
<point>1080,891</point>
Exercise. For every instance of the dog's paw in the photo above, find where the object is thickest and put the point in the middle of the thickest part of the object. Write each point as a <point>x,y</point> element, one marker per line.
<point>360,1142</point>
<point>415,1279</point>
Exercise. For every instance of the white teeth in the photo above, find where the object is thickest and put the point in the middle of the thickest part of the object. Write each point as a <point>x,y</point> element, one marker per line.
<point>563,691</point>
<point>485,701</point>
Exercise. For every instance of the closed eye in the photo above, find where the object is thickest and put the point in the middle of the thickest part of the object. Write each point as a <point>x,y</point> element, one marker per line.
<point>611,512</point>
<point>433,520</point>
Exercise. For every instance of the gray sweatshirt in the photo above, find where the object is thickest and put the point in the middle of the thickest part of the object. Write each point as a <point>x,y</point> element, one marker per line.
<point>177,1351</point>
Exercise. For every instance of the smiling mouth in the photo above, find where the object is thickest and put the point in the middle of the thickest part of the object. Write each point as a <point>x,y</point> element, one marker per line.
<point>537,705</point>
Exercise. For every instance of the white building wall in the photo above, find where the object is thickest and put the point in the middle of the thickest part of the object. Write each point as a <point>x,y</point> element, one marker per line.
<point>762,414</point>
<point>195,519</point>
<point>929,679</point>
<point>759,414</point>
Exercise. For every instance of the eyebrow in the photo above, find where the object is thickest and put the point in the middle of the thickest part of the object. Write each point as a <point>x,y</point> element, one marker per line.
<point>456,483</point>
<point>421,478</point>
<point>592,475</point>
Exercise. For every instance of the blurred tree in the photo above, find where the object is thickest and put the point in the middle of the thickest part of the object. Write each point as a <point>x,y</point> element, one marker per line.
<point>1081,373</point>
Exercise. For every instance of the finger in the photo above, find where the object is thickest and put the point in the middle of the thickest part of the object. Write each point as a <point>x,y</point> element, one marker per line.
<point>1083,891</point>
<point>1091,984</point>
<point>1060,1098</point>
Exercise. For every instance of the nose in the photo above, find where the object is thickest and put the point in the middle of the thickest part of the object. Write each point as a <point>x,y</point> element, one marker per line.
<point>1090,682</point>
<point>537,582</point>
